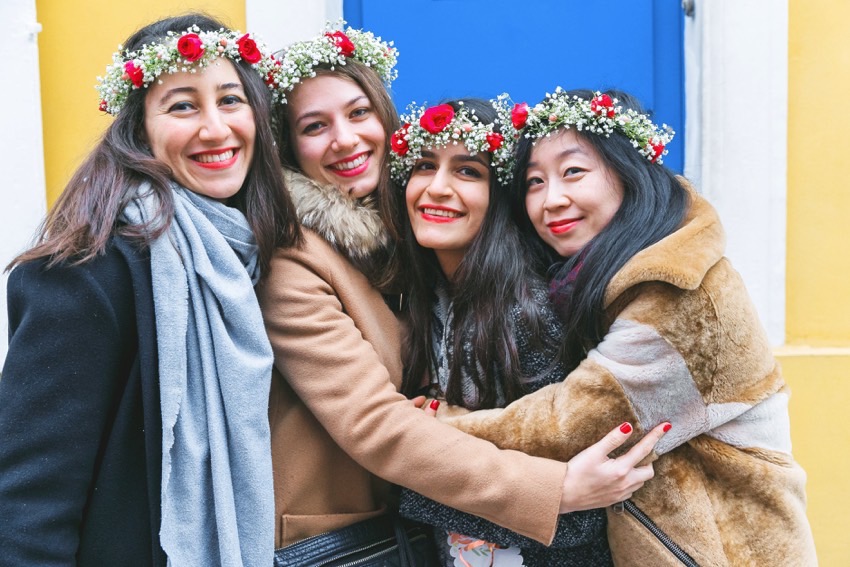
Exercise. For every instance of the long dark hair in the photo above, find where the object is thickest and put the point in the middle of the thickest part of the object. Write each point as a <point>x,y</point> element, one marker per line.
<point>372,86</point>
<point>654,206</point>
<point>85,217</point>
<point>492,288</point>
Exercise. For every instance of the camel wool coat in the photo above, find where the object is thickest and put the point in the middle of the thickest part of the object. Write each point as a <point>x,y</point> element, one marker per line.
<point>340,430</point>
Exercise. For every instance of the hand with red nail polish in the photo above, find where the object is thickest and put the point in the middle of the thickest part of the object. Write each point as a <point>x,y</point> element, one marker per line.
<point>432,407</point>
<point>595,481</point>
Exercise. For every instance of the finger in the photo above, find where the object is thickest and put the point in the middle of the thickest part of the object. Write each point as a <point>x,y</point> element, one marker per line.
<point>614,439</point>
<point>637,477</point>
<point>418,401</point>
<point>432,408</point>
<point>645,446</point>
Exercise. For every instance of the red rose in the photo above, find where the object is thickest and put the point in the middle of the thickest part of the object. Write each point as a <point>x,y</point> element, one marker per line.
<point>345,46</point>
<point>248,49</point>
<point>519,115</point>
<point>102,106</point>
<point>134,73</point>
<point>602,104</point>
<point>436,118</point>
<point>657,150</point>
<point>398,142</point>
<point>190,47</point>
<point>494,141</point>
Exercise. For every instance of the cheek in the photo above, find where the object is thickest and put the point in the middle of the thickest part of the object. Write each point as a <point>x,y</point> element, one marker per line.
<point>411,194</point>
<point>378,137</point>
<point>249,127</point>
<point>162,142</point>
<point>482,203</point>
<point>610,207</point>
<point>249,137</point>
<point>533,207</point>
<point>307,152</point>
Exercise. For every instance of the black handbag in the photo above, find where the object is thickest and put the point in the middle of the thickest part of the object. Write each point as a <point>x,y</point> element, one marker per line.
<point>378,542</point>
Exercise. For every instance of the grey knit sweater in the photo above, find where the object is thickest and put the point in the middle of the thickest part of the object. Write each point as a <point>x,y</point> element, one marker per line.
<point>580,539</point>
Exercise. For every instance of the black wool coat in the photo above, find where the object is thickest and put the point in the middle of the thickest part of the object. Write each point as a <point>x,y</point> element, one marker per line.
<point>80,425</point>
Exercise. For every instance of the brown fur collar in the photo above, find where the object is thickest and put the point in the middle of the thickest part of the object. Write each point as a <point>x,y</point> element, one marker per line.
<point>700,240</point>
<point>352,226</point>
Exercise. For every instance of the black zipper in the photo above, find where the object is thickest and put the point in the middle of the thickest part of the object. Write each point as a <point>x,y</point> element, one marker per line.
<point>665,540</point>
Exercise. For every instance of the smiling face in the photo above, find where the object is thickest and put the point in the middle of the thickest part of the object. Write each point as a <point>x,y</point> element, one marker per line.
<point>447,199</point>
<point>202,127</point>
<point>572,194</point>
<point>337,135</point>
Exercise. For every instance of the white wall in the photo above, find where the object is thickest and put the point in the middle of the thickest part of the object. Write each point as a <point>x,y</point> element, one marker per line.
<point>21,151</point>
<point>736,66</point>
<point>280,22</point>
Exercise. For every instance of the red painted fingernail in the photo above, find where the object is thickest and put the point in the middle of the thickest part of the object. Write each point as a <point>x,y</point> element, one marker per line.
<point>434,404</point>
<point>626,427</point>
<point>667,427</point>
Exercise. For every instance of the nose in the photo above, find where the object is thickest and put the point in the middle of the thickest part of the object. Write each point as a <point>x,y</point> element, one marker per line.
<point>556,197</point>
<point>345,137</point>
<point>440,184</point>
<point>214,126</point>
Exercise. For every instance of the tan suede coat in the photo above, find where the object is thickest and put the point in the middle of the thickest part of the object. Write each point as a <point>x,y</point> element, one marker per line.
<point>337,419</point>
<point>685,345</point>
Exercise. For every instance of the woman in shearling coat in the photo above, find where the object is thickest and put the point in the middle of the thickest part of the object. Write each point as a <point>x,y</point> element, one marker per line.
<point>669,335</point>
<point>341,431</point>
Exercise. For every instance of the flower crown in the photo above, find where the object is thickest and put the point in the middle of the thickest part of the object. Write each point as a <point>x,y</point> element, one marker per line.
<point>333,48</point>
<point>441,125</point>
<point>599,115</point>
<point>178,52</point>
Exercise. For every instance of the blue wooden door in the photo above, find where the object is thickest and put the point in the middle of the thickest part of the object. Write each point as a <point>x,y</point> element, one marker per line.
<point>453,48</point>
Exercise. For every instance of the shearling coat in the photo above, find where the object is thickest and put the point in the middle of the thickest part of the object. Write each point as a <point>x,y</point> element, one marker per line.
<point>338,422</point>
<point>685,345</point>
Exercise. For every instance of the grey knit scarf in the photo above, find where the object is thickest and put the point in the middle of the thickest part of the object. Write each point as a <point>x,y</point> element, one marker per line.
<point>215,370</point>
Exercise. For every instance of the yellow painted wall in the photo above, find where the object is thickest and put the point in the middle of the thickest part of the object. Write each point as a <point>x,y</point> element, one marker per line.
<point>818,305</point>
<point>76,43</point>
<point>820,396</point>
<point>816,358</point>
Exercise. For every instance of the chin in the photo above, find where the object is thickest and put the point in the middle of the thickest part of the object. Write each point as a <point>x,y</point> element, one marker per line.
<point>363,188</point>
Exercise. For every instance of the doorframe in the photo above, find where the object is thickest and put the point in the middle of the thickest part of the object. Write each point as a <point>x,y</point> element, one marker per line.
<point>737,137</point>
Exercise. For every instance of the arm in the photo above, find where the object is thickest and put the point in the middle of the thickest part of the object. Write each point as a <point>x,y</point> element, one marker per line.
<point>64,365</point>
<point>340,377</point>
<point>593,481</point>
<point>662,359</point>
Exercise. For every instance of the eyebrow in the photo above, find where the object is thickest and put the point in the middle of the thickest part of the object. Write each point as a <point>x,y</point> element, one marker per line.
<point>566,153</point>
<point>314,113</point>
<point>192,90</point>
<point>461,158</point>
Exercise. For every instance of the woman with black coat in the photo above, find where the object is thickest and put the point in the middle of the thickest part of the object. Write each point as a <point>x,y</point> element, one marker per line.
<point>133,398</point>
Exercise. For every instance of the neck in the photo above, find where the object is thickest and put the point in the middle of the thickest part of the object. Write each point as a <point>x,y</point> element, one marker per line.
<point>449,261</point>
